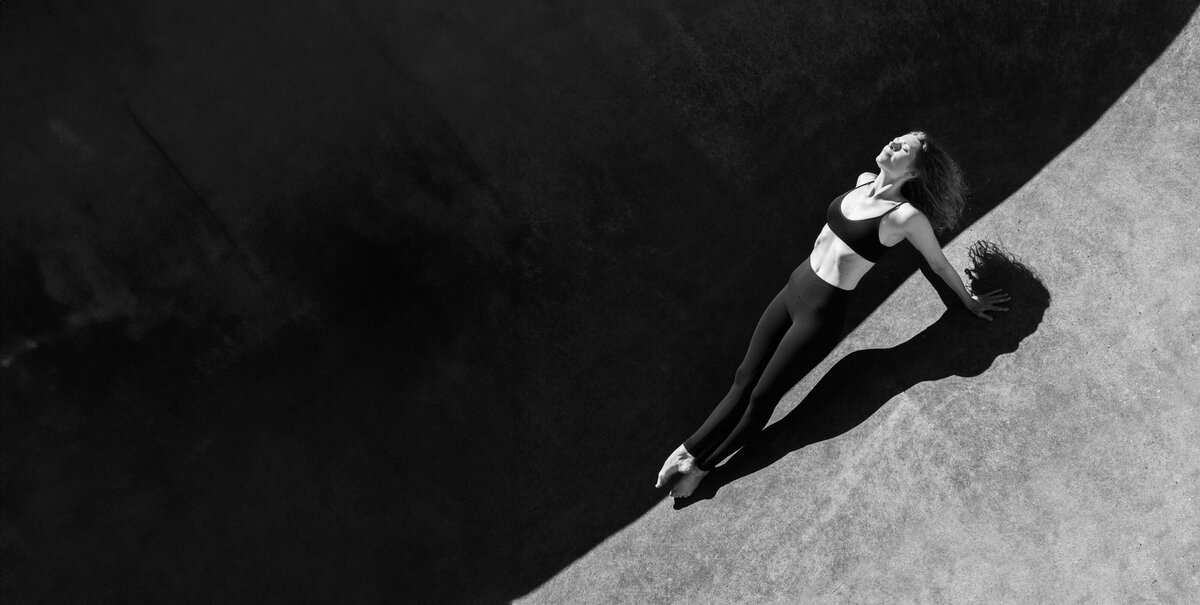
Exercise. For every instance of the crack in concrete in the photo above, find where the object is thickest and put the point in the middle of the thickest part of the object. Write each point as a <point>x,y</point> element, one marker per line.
<point>208,211</point>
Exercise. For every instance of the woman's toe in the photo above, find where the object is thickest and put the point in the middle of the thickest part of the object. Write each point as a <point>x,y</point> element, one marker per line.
<point>665,476</point>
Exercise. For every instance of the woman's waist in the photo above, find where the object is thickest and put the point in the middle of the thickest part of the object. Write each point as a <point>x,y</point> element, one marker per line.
<point>842,271</point>
<point>814,291</point>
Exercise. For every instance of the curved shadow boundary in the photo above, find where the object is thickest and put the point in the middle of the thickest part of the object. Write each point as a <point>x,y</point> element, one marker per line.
<point>518,252</point>
<point>859,384</point>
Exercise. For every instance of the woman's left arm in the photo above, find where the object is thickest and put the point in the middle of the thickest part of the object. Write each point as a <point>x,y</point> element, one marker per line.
<point>919,232</point>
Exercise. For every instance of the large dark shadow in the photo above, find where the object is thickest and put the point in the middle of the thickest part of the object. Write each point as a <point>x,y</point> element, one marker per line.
<point>387,302</point>
<point>957,344</point>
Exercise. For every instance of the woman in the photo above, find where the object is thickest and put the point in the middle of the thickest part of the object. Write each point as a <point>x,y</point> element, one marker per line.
<point>918,189</point>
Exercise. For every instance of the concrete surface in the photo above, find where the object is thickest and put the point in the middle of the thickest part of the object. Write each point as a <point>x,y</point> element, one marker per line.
<point>1065,472</point>
<point>371,302</point>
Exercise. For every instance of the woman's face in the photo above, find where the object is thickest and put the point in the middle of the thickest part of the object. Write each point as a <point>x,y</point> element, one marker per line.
<point>899,156</point>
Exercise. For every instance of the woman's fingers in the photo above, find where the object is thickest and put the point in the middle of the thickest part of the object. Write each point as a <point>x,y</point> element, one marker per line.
<point>990,301</point>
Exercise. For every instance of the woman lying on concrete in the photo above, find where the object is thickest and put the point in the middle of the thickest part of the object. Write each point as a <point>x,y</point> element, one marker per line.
<point>918,189</point>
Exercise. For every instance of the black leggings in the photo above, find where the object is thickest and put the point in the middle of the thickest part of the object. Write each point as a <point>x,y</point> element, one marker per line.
<point>798,329</point>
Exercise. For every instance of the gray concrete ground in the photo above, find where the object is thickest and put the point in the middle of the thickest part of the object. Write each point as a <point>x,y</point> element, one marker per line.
<point>1067,471</point>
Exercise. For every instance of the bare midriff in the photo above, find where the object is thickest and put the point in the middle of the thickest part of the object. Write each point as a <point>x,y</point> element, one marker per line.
<point>835,262</point>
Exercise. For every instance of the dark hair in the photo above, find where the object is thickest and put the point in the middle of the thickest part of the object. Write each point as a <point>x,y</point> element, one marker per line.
<point>938,189</point>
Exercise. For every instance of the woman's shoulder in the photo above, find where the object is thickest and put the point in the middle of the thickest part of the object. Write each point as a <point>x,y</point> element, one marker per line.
<point>865,178</point>
<point>907,214</point>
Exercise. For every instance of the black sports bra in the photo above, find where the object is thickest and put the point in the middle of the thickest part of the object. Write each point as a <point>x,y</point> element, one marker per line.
<point>862,235</point>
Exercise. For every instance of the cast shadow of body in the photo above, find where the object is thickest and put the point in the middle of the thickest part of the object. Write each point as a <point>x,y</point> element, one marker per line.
<point>957,344</point>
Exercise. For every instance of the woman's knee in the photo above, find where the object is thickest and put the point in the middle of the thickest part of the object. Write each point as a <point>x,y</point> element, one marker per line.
<point>763,399</point>
<point>743,377</point>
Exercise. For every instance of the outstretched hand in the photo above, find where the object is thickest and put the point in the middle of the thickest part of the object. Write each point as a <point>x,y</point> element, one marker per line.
<point>981,303</point>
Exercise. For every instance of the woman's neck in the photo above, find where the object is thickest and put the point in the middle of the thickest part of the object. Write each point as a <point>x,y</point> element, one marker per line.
<point>887,187</point>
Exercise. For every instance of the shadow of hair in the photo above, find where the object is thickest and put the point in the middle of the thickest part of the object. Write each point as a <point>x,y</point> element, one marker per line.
<point>957,344</point>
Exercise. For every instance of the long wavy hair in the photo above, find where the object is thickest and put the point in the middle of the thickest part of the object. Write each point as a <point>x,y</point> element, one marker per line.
<point>938,189</point>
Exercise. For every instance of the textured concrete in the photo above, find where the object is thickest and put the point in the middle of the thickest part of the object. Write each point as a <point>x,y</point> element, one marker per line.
<point>383,302</point>
<point>1064,471</point>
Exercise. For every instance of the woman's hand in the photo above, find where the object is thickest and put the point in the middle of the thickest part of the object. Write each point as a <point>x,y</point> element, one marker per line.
<point>980,303</point>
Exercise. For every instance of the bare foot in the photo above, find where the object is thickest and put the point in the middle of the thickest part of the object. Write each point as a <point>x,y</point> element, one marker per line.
<point>679,462</point>
<point>688,483</point>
